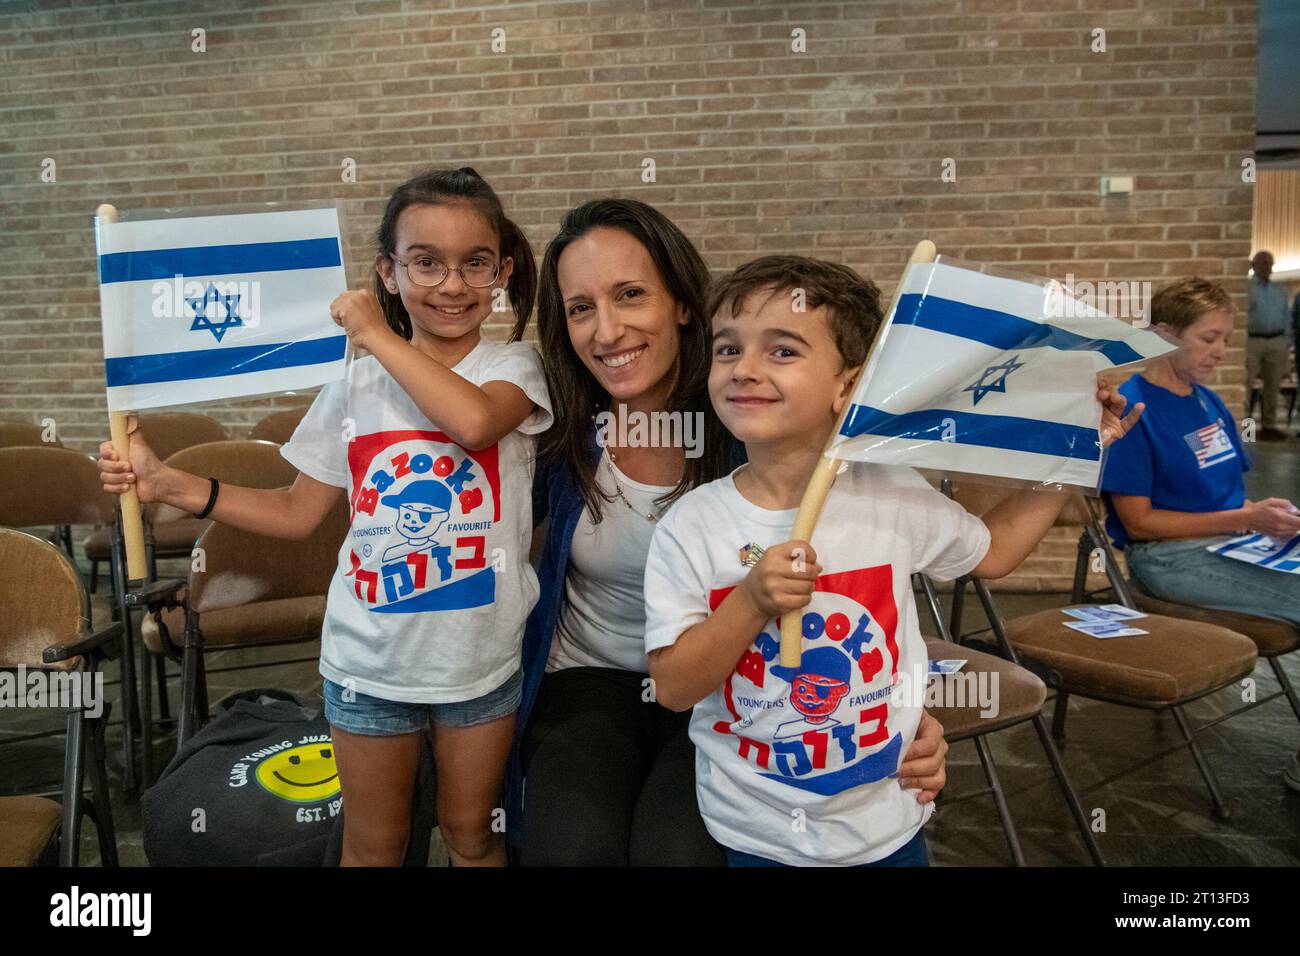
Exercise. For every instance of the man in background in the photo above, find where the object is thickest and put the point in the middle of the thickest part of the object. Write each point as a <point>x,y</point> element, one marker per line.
<point>1268,324</point>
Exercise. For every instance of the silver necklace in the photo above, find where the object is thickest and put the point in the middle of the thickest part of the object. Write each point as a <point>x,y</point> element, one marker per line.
<point>618,489</point>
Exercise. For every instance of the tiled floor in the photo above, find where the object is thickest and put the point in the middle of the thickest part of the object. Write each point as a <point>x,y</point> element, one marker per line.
<point>1158,814</point>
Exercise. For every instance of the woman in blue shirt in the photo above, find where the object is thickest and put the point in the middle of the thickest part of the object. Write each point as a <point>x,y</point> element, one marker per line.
<point>601,774</point>
<point>1174,486</point>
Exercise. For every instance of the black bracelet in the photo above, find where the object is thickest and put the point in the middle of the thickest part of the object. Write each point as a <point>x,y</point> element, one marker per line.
<point>212,499</point>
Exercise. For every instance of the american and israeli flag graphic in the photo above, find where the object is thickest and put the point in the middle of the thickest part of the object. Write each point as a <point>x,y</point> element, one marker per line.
<point>976,374</point>
<point>204,307</point>
<point>1210,445</point>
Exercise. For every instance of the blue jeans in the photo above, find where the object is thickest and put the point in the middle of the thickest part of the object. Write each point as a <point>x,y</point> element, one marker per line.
<point>1182,571</point>
<point>911,853</point>
<point>375,717</point>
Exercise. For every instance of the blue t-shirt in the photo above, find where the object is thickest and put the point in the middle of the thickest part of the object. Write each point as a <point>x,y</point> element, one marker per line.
<point>1184,454</point>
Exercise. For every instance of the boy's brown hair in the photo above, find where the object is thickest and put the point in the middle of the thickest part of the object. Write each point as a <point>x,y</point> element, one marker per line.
<point>852,302</point>
<point>1181,303</point>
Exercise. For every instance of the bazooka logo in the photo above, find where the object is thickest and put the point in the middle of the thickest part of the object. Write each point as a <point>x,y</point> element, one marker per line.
<point>422,507</point>
<point>822,726</point>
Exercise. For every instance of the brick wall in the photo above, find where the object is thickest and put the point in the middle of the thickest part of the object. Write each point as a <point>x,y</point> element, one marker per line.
<point>836,151</point>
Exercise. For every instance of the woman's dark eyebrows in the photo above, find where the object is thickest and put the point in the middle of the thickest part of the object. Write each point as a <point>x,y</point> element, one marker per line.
<point>615,285</point>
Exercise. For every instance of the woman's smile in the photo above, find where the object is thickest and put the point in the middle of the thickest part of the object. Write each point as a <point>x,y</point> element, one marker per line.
<point>623,358</point>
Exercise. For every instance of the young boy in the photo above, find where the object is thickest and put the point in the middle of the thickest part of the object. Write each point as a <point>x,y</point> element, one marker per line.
<point>798,766</point>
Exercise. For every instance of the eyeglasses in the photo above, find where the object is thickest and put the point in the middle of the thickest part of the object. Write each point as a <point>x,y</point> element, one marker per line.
<point>477,273</point>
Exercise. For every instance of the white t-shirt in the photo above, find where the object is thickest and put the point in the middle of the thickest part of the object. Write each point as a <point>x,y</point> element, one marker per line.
<point>811,778</point>
<point>602,621</point>
<point>433,582</point>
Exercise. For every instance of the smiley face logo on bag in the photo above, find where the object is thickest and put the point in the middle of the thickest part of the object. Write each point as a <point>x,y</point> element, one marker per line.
<point>302,774</point>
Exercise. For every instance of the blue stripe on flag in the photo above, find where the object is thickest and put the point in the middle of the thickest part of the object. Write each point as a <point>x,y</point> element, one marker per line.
<point>1234,543</point>
<point>970,428</point>
<point>211,363</point>
<point>1000,329</point>
<point>219,260</point>
<point>1282,552</point>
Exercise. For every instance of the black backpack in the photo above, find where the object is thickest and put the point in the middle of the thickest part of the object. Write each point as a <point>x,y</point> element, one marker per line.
<point>257,786</point>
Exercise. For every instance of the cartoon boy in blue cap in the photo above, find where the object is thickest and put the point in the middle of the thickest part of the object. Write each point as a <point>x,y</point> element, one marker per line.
<point>422,508</point>
<point>816,689</point>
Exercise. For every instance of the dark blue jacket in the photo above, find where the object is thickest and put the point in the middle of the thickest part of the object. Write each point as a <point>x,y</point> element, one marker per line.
<point>555,496</point>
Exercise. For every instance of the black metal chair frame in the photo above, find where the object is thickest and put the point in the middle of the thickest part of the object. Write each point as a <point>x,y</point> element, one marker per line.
<point>1093,539</point>
<point>84,748</point>
<point>947,632</point>
<point>1220,806</point>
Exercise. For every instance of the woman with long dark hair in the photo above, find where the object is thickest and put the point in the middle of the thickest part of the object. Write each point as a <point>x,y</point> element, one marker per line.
<point>601,774</point>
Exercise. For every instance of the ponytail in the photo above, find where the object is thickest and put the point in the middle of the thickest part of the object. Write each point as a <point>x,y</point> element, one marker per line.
<point>522,288</point>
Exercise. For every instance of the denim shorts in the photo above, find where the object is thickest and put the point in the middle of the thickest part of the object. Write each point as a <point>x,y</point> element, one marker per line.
<point>376,717</point>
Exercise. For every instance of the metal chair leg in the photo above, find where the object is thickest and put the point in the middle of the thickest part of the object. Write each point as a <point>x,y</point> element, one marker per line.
<point>936,609</point>
<point>1067,790</point>
<point>1287,687</point>
<point>101,807</point>
<point>201,697</point>
<point>1080,584</point>
<point>189,689</point>
<point>1059,714</point>
<point>74,768</point>
<point>126,664</point>
<point>958,604</point>
<point>164,701</point>
<point>146,717</point>
<point>1000,800</point>
<point>1221,808</point>
<point>94,575</point>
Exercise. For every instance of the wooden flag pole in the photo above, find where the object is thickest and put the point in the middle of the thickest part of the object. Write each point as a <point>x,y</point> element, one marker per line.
<point>819,485</point>
<point>129,502</point>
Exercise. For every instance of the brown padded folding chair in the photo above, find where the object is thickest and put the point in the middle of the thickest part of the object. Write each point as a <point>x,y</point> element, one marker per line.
<point>170,533</point>
<point>168,434</point>
<point>46,614</point>
<point>51,485</point>
<point>25,434</point>
<point>1273,637</point>
<point>253,591</point>
<point>1176,662</point>
<point>252,464</point>
<point>48,485</point>
<point>278,426</point>
<point>1020,699</point>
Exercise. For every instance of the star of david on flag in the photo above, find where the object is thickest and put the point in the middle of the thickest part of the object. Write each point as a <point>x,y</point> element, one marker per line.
<point>204,307</point>
<point>974,373</point>
<point>993,379</point>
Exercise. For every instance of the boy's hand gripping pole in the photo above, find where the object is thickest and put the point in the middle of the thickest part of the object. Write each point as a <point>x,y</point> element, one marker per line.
<point>819,485</point>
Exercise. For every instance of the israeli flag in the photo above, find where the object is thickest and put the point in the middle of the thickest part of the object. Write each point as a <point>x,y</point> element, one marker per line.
<point>207,307</point>
<point>1263,551</point>
<point>989,375</point>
